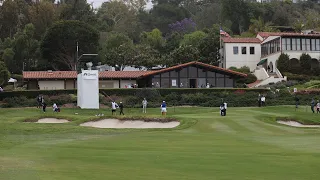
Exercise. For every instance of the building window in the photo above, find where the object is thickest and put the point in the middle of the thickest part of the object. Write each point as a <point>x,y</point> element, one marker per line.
<point>251,50</point>
<point>317,44</point>
<point>288,44</point>
<point>244,50</point>
<point>308,45</point>
<point>313,44</point>
<point>298,44</point>
<point>278,44</point>
<point>303,45</point>
<point>235,50</point>
<point>184,72</point>
<point>165,83</point>
<point>201,73</point>
<point>272,49</point>
<point>193,72</point>
<point>284,44</point>
<point>294,44</point>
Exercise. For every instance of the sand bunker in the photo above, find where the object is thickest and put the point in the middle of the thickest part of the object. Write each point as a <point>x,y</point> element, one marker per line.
<point>136,124</point>
<point>296,124</point>
<point>52,120</point>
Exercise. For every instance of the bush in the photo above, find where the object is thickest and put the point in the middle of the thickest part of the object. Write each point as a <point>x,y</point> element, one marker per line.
<point>59,99</point>
<point>305,63</point>
<point>300,77</point>
<point>294,66</point>
<point>282,63</point>
<point>251,78</point>
<point>20,101</point>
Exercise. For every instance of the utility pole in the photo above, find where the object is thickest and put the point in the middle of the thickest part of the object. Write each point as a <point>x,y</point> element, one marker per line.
<point>77,56</point>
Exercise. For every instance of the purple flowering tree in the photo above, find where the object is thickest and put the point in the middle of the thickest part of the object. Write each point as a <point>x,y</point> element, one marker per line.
<point>184,26</point>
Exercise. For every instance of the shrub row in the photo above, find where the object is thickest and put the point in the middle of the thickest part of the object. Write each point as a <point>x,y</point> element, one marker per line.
<point>124,92</point>
<point>300,77</point>
<point>238,98</point>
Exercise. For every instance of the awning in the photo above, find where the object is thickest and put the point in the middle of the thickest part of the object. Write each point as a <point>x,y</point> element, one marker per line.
<point>262,62</point>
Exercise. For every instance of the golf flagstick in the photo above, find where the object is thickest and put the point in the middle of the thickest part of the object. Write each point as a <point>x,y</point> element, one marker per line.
<point>106,95</point>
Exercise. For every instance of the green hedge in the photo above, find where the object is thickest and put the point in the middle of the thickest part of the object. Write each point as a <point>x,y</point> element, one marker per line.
<point>173,97</point>
<point>125,92</point>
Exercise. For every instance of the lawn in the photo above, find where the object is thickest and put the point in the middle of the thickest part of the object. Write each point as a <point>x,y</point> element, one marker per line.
<point>246,144</point>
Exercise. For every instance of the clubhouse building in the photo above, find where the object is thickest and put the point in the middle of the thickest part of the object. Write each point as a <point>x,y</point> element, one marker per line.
<point>261,53</point>
<point>189,75</point>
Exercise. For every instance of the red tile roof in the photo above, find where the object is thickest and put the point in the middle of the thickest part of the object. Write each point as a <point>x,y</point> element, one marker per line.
<point>267,34</point>
<point>73,74</point>
<point>195,63</point>
<point>49,75</point>
<point>241,40</point>
<point>122,74</point>
<point>119,74</point>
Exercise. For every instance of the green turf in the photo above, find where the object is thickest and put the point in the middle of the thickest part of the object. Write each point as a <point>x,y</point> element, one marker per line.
<point>246,144</point>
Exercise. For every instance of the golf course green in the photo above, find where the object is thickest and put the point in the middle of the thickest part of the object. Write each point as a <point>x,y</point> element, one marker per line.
<point>248,143</point>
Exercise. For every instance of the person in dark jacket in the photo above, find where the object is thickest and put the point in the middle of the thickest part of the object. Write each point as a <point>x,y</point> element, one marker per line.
<point>223,109</point>
<point>313,103</point>
<point>121,108</point>
<point>44,106</point>
<point>39,101</point>
<point>297,101</point>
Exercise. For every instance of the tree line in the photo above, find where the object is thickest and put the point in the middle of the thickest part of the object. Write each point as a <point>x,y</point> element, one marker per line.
<point>44,35</point>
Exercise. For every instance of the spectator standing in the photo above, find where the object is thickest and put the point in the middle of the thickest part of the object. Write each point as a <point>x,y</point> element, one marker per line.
<point>39,101</point>
<point>44,106</point>
<point>163,108</point>
<point>263,100</point>
<point>312,105</point>
<point>144,105</point>
<point>121,108</point>
<point>55,108</point>
<point>297,102</point>
<point>114,106</point>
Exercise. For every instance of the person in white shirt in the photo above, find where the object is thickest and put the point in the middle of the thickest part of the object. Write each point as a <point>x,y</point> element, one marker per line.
<point>144,105</point>
<point>225,108</point>
<point>222,109</point>
<point>55,107</point>
<point>1,90</point>
<point>263,100</point>
<point>208,85</point>
<point>114,107</point>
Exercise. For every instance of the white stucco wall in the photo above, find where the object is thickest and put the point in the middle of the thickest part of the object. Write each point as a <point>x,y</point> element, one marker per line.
<point>239,60</point>
<point>261,73</point>
<point>109,84</point>
<point>51,85</point>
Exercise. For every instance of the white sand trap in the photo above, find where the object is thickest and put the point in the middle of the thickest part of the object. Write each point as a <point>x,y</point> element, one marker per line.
<point>52,120</point>
<point>136,124</point>
<point>296,124</point>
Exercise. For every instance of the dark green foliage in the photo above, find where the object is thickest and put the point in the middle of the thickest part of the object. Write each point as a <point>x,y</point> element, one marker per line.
<point>283,63</point>
<point>300,77</point>
<point>294,66</point>
<point>315,67</point>
<point>251,78</point>
<point>59,44</point>
<point>173,97</point>
<point>305,63</point>
<point>4,74</point>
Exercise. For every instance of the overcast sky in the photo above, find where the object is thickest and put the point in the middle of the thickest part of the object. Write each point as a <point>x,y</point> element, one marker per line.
<point>97,3</point>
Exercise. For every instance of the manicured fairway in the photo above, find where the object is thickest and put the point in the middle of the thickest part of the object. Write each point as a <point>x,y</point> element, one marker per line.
<point>246,144</point>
